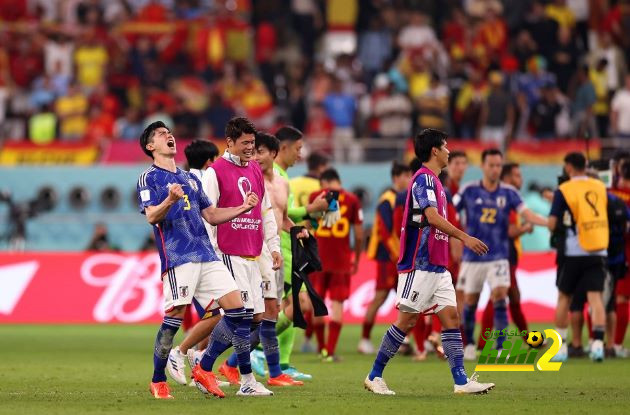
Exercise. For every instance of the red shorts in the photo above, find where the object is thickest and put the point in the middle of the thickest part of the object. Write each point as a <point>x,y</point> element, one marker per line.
<point>513,276</point>
<point>336,285</point>
<point>386,276</point>
<point>623,286</point>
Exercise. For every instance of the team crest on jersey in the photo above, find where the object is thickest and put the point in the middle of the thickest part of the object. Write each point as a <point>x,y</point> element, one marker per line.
<point>501,201</point>
<point>266,285</point>
<point>183,291</point>
<point>414,296</point>
<point>193,184</point>
<point>244,296</point>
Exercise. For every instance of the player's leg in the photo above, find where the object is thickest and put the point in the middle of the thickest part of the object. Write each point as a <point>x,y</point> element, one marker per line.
<point>499,280</point>
<point>487,322</point>
<point>200,331</point>
<point>471,278</point>
<point>386,275</point>
<point>514,295</point>
<point>576,310</point>
<point>320,282</point>
<point>622,311</point>
<point>339,292</point>
<point>445,302</point>
<point>177,296</point>
<point>593,280</point>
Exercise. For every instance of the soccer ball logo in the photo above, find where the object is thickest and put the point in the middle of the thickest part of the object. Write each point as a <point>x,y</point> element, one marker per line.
<point>534,339</point>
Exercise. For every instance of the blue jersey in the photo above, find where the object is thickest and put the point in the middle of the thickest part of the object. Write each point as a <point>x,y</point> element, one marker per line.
<point>423,248</point>
<point>181,237</point>
<point>487,217</point>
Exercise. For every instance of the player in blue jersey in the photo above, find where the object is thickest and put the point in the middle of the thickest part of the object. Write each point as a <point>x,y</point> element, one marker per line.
<point>175,205</point>
<point>424,284</point>
<point>486,207</point>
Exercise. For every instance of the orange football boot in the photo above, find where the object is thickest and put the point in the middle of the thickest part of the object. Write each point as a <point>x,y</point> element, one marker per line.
<point>284,380</point>
<point>208,381</point>
<point>230,373</point>
<point>160,390</point>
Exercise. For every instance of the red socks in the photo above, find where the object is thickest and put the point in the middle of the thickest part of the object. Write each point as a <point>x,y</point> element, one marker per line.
<point>367,330</point>
<point>334,328</point>
<point>622,321</point>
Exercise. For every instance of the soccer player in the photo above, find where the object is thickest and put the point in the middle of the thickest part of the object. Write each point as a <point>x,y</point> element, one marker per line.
<point>457,166</point>
<point>384,247</point>
<point>622,191</point>
<point>424,284</point>
<point>291,143</point>
<point>338,261</point>
<point>510,175</point>
<point>277,189</point>
<point>585,244</point>
<point>175,205</point>
<point>487,205</point>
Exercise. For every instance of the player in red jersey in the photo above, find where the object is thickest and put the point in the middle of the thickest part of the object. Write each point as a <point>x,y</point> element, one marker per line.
<point>622,191</point>
<point>338,262</point>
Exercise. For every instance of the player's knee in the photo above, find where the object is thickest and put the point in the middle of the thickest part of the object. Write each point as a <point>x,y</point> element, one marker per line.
<point>257,317</point>
<point>177,311</point>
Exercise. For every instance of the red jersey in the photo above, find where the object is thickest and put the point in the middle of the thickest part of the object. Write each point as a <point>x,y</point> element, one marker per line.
<point>624,194</point>
<point>334,242</point>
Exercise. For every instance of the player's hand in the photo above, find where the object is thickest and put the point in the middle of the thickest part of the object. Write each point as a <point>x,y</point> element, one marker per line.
<point>277,260</point>
<point>251,200</point>
<point>319,204</point>
<point>527,228</point>
<point>475,245</point>
<point>175,192</point>
<point>303,234</point>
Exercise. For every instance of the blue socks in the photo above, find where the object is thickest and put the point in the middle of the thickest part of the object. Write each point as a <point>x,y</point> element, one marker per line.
<point>241,343</point>
<point>222,336</point>
<point>392,340</point>
<point>254,340</point>
<point>500,320</point>
<point>469,322</point>
<point>454,351</point>
<point>163,345</point>
<point>269,341</point>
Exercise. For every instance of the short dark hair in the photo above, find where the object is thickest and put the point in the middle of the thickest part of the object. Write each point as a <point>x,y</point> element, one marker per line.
<point>426,140</point>
<point>455,154</point>
<point>147,135</point>
<point>199,152</point>
<point>329,175</point>
<point>576,159</point>
<point>238,126</point>
<point>415,165</point>
<point>268,141</point>
<point>507,169</point>
<point>288,133</point>
<point>490,152</point>
<point>399,169</point>
<point>316,160</point>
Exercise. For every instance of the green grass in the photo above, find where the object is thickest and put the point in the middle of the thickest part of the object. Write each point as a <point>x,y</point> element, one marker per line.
<point>106,369</point>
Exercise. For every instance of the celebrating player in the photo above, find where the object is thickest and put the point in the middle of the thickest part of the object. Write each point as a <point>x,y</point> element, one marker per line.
<point>384,247</point>
<point>174,203</point>
<point>510,175</point>
<point>487,205</point>
<point>338,264</point>
<point>290,147</point>
<point>424,284</point>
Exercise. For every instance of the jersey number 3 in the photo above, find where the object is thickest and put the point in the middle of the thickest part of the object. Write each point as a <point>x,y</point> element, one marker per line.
<point>488,215</point>
<point>187,207</point>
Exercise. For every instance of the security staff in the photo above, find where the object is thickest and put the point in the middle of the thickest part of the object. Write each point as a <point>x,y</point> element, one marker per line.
<point>581,204</point>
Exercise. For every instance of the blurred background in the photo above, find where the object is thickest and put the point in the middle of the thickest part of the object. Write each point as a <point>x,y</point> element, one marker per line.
<point>80,79</point>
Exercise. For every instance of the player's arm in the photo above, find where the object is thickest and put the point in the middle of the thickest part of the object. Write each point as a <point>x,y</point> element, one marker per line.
<point>357,229</point>
<point>216,216</point>
<point>515,231</point>
<point>437,221</point>
<point>270,231</point>
<point>558,205</point>
<point>156,213</point>
<point>532,217</point>
<point>385,213</point>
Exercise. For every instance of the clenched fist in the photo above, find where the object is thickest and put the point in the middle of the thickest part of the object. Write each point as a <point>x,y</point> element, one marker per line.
<point>175,192</point>
<point>251,200</point>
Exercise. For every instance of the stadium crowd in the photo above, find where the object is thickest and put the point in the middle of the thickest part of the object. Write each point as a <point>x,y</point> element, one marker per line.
<point>95,70</point>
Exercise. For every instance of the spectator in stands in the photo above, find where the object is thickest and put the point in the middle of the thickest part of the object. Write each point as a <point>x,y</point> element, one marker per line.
<point>561,13</point>
<point>432,106</point>
<point>100,126</point>
<point>374,49</point>
<point>564,58</point>
<point>616,67</point>
<point>544,114</point>
<point>60,80</point>
<point>417,34</point>
<point>91,59</point>
<point>543,29</point>
<point>497,113</point>
<point>100,239</point>
<point>129,127</point>
<point>532,82</point>
<point>582,117</point>
<point>25,62</point>
<point>341,109</point>
<point>319,130</point>
<point>218,114</point>
<point>392,111</point>
<point>598,74</point>
<point>71,111</point>
<point>185,122</point>
<point>58,51</point>
<point>42,93</point>
<point>156,111</point>
<point>469,103</point>
<point>620,116</point>
<point>42,126</point>
<point>524,48</point>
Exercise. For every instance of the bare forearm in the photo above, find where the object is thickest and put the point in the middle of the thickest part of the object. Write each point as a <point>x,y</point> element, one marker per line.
<point>535,218</point>
<point>216,216</point>
<point>358,243</point>
<point>156,214</point>
<point>443,225</point>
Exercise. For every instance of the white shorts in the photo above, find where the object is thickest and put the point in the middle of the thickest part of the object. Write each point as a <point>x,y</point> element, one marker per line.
<point>425,292</point>
<point>472,275</point>
<point>246,273</point>
<point>272,281</point>
<point>206,282</point>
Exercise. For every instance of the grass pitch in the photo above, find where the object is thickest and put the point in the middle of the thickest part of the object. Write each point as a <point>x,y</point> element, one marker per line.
<point>107,369</point>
